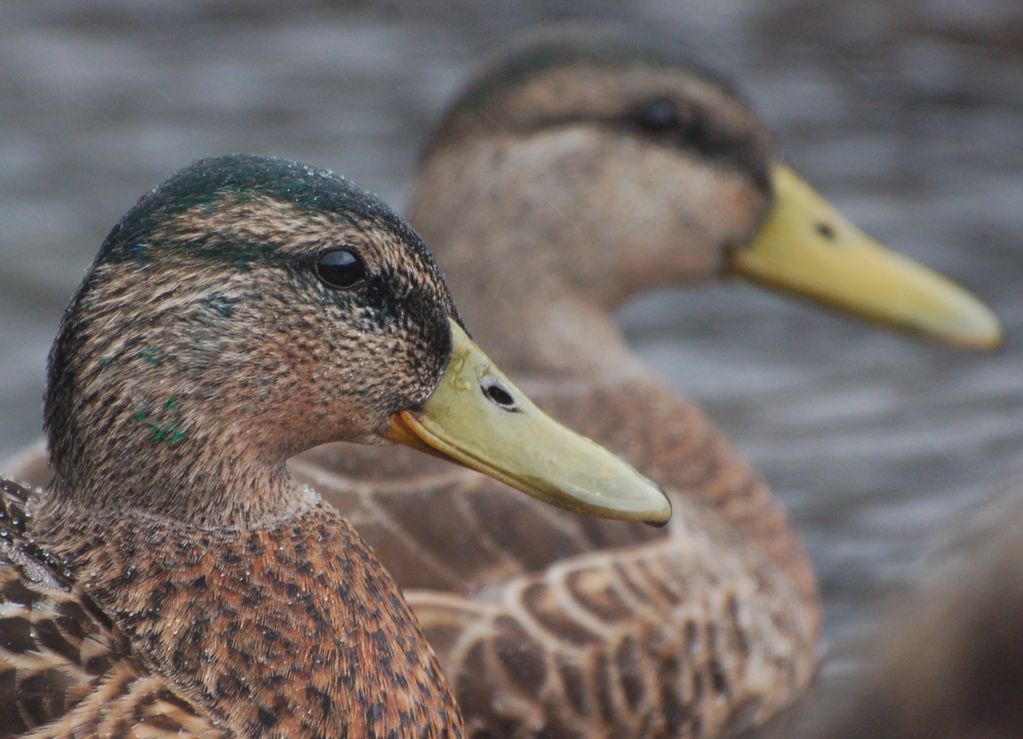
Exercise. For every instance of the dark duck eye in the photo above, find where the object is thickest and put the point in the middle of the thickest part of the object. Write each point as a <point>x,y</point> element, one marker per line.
<point>659,115</point>
<point>340,268</point>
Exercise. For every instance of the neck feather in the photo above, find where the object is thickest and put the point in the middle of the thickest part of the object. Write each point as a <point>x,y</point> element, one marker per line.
<point>205,479</point>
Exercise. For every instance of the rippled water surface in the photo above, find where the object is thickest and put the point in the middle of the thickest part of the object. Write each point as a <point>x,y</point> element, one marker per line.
<point>908,115</point>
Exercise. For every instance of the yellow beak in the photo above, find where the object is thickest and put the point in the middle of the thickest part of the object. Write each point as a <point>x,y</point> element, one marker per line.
<point>806,247</point>
<point>478,418</point>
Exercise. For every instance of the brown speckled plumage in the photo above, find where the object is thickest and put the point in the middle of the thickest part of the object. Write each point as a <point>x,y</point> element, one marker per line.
<point>294,629</point>
<point>65,668</point>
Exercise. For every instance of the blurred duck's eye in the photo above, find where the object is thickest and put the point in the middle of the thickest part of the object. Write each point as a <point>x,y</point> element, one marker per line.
<point>340,268</point>
<point>659,115</point>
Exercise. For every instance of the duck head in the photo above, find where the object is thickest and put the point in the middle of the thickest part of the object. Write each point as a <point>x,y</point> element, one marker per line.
<point>617,164</point>
<point>250,308</point>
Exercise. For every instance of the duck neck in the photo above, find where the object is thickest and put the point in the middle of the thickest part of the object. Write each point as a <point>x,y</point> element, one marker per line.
<point>292,628</point>
<point>141,462</point>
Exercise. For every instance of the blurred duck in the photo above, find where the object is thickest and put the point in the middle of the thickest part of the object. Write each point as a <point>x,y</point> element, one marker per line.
<point>175,579</point>
<point>950,662</point>
<point>581,168</point>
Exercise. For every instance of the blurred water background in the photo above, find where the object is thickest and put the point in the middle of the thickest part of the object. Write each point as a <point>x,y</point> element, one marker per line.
<point>908,115</point>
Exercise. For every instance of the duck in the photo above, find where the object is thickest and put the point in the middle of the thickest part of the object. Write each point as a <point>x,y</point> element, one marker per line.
<point>174,578</point>
<point>947,658</point>
<point>582,166</point>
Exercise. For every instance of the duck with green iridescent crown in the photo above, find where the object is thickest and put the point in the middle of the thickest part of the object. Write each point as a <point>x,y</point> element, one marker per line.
<point>175,578</point>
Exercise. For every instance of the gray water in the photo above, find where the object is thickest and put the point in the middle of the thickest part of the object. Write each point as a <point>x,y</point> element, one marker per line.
<point>907,115</point>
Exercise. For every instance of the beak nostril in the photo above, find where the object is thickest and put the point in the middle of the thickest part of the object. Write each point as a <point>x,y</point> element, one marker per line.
<point>499,395</point>
<point>826,230</point>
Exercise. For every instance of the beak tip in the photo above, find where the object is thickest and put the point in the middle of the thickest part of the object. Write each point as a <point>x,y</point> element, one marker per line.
<point>995,338</point>
<point>992,342</point>
<point>984,332</point>
<point>661,517</point>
